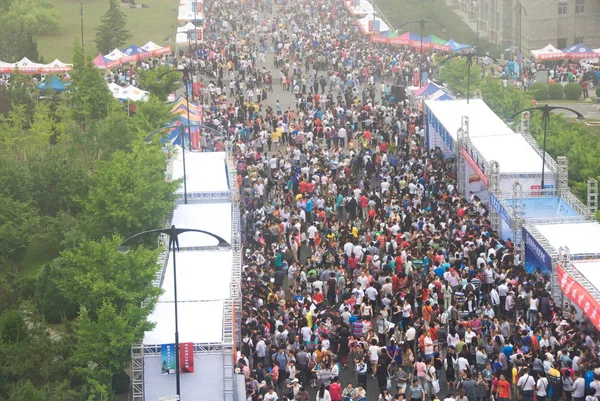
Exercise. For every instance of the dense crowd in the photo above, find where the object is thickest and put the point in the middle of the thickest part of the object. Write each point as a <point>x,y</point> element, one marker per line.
<point>360,254</point>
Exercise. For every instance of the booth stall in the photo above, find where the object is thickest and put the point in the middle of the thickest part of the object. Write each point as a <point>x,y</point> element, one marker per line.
<point>372,25</point>
<point>359,7</point>
<point>570,252</point>
<point>548,53</point>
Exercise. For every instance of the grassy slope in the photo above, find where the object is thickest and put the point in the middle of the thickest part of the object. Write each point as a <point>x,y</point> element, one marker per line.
<point>400,11</point>
<point>154,23</point>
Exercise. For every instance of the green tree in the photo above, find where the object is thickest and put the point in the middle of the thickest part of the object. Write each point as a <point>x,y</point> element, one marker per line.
<point>573,91</point>
<point>539,91</point>
<point>25,391</point>
<point>112,32</point>
<point>556,91</point>
<point>91,98</point>
<point>454,74</point>
<point>39,16</point>
<point>17,41</point>
<point>105,342</point>
<point>128,193</point>
<point>18,221</point>
<point>151,115</point>
<point>503,101</point>
<point>51,303</point>
<point>95,272</point>
<point>159,81</point>
<point>12,328</point>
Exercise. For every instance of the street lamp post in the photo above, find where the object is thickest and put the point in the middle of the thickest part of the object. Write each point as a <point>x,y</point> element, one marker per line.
<point>522,9</point>
<point>173,234</point>
<point>469,57</point>
<point>81,17</point>
<point>476,5</point>
<point>545,120</point>
<point>422,23</point>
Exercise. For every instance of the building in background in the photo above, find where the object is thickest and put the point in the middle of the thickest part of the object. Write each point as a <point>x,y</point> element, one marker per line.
<point>562,23</point>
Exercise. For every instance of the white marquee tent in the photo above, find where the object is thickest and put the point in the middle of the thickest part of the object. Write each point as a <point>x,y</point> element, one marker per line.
<point>369,23</point>
<point>206,172</point>
<point>359,7</point>
<point>581,238</point>
<point>548,52</point>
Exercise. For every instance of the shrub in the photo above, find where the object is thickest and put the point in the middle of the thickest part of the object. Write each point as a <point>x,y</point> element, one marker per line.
<point>539,91</point>
<point>556,91</point>
<point>597,91</point>
<point>573,91</point>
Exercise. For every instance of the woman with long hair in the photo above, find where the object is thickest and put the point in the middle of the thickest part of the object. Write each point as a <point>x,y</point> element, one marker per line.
<point>323,394</point>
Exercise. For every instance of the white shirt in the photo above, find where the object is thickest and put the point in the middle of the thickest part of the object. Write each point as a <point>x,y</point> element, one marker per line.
<point>306,333</point>
<point>410,334</point>
<point>526,383</point>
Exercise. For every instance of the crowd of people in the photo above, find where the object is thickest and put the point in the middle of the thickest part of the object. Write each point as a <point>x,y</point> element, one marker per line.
<point>366,274</point>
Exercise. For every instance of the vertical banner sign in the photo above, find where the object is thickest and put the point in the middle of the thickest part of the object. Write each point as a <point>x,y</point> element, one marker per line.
<point>576,293</point>
<point>475,166</point>
<point>535,255</point>
<point>186,357</point>
<point>168,359</point>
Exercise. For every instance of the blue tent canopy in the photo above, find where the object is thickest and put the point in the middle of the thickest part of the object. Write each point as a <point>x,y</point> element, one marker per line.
<point>52,84</point>
<point>133,50</point>
<point>455,46</point>
<point>445,96</point>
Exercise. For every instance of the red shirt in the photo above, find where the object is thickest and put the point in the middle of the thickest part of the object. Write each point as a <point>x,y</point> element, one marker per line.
<point>503,389</point>
<point>335,391</point>
<point>318,297</point>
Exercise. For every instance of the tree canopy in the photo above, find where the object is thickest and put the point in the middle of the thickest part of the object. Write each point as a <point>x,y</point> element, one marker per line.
<point>112,32</point>
<point>74,171</point>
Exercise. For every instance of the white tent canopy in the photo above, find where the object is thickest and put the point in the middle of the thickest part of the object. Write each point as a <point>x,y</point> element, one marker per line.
<point>117,91</point>
<point>581,238</point>
<point>590,269</point>
<point>370,19</point>
<point>548,52</point>
<point>512,152</point>
<point>193,319</point>
<point>205,172</point>
<point>115,55</point>
<point>151,46</point>
<point>359,7</point>
<point>211,217</point>
<point>135,94</point>
<point>187,27</point>
<point>26,65</point>
<point>482,120</point>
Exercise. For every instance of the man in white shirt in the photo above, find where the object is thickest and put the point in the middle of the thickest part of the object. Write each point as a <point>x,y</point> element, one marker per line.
<point>526,384</point>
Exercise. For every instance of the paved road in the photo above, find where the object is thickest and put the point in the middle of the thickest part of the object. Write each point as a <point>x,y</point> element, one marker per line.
<point>591,111</point>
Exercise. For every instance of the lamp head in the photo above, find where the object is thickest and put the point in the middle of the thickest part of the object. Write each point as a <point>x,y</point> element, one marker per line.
<point>510,121</point>
<point>580,117</point>
<point>223,245</point>
<point>124,249</point>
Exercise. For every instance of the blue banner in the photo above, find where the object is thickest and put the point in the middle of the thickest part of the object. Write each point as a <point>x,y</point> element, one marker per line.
<point>500,209</point>
<point>535,255</point>
<point>167,353</point>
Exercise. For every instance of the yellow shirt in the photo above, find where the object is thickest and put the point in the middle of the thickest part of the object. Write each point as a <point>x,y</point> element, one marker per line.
<point>309,319</point>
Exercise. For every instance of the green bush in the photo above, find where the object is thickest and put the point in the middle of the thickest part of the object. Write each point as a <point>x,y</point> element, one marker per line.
<point>597,91</point>
<point>573,91</point>
<point>556,91</point>
<point>539,91</point>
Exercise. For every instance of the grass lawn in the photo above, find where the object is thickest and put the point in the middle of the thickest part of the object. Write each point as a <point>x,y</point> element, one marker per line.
<point>401,11</point>
<point>154,23</point>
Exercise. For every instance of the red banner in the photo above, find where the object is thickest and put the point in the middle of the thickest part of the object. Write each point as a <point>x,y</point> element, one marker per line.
<point>186,357</point>
<point>475,167</point>
<point>576,293</point>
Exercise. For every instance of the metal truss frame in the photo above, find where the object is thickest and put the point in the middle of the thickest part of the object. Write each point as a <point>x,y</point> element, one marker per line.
<point>592,195</point>
<point>205,197</point>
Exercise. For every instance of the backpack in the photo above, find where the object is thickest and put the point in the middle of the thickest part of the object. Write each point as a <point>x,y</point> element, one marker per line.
<point>246,347</point>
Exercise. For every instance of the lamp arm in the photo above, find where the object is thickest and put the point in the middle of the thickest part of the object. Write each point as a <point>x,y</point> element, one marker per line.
<point>157,230</point>
<point>579,115</point>
<point>185,230</point>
